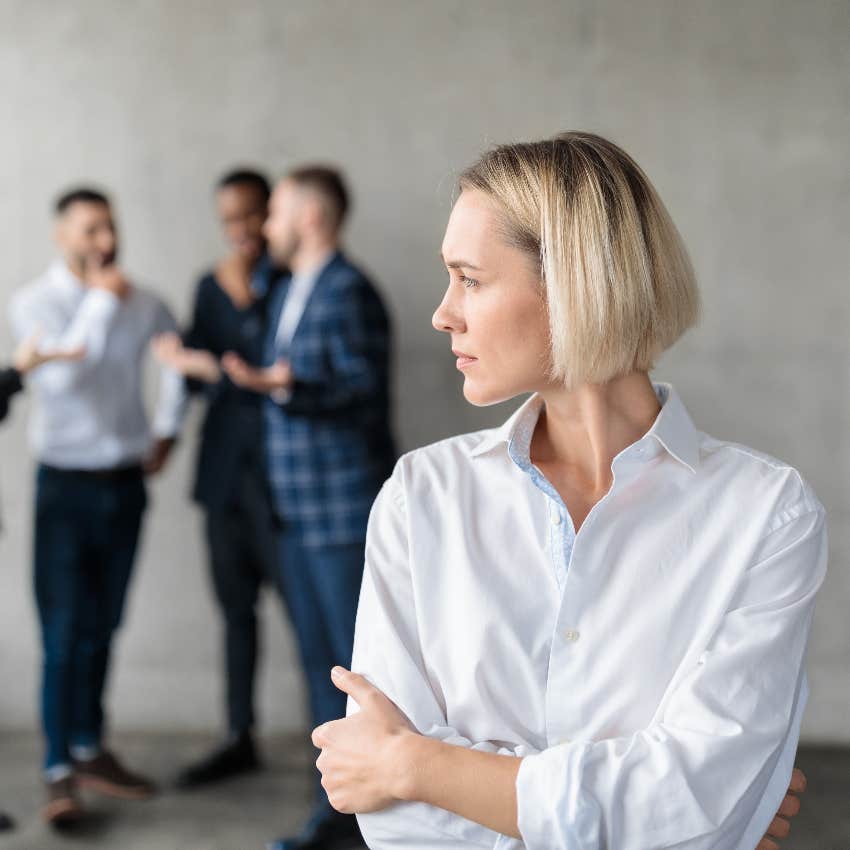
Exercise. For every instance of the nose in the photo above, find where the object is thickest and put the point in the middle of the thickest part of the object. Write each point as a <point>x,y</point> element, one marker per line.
<point>447,317</point>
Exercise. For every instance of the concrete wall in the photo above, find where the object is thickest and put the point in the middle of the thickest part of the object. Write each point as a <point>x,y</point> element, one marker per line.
<point>738,110</point>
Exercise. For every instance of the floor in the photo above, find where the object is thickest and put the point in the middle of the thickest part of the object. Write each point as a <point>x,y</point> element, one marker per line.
<point>246,813</point>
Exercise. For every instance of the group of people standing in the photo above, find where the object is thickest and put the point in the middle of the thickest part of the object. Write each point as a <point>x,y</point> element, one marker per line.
<point>289,346</point>
<point>584,628</point>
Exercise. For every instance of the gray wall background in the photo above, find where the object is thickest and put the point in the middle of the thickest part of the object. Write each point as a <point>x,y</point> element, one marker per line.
<point>738,110</point>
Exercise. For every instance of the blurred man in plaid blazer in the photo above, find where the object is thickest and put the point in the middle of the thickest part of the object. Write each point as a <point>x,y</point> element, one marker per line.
<point>328,440</point>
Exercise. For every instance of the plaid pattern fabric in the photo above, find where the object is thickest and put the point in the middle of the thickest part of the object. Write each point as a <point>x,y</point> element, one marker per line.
<point>329,445</point>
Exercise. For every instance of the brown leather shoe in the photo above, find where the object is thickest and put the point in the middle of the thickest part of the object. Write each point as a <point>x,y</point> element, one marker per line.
<point>62,806</point>
<point>106,775</point>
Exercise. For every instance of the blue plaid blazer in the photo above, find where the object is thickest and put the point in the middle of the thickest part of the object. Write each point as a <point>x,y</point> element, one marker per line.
<point>330,445</point>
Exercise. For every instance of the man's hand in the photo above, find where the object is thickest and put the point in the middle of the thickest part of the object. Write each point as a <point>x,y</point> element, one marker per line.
<point>107,277</point>
<point>266,380</point>
<point>158,455</point>
<point>780,826</point>
<point>28,355</point>
<point>194,363</point>
<point>360,765</point>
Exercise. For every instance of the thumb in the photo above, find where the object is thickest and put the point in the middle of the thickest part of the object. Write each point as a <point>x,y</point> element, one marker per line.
<point>356,686</point>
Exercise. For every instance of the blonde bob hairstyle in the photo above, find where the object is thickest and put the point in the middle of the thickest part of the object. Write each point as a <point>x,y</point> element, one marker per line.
<point>618,284</point>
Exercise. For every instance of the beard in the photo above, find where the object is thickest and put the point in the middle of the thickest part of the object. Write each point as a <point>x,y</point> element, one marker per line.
<point>282,252</point>
<point>87,260</point>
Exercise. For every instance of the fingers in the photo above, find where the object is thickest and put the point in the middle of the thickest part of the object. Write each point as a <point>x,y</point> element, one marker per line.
<point>789,807</point>
<point>169,339</point>
<point>233,364</point>
<point>238,370</point>
<point>798,781</point>
<point>321,736</point>
<point>779,828</point>
<point>767,844</point>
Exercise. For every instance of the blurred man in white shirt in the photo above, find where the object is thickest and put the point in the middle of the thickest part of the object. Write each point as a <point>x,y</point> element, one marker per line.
<point>93,443</point>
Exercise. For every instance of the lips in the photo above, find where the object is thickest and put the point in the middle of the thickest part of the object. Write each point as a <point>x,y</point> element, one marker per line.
<point>463,359</point>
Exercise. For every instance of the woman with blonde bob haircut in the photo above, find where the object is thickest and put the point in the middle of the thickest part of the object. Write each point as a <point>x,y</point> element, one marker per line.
<point>586,628</point>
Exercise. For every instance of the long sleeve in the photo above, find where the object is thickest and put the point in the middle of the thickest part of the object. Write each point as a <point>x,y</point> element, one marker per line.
<point>387,651</point>
<point>708,773</point>
<point>10,383</point>
<point>172,396</point>
<point>357,334</point>
<point>88,329</point>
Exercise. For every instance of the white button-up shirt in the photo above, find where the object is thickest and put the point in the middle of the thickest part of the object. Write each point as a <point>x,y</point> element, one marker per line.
<point>89,414</point>
<point>649,669</point>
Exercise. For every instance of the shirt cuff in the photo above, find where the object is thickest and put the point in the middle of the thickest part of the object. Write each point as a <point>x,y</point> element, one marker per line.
<point>549,809</point>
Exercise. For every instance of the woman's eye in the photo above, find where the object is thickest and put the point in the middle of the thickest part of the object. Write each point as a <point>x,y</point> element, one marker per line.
<point>468,282</point>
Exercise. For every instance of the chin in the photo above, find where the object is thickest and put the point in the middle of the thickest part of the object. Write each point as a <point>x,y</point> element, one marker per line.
<point>485,396</point>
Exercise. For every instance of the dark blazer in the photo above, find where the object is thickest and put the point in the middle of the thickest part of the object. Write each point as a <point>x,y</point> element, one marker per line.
<point>330,445</point>
<point>233,425</point>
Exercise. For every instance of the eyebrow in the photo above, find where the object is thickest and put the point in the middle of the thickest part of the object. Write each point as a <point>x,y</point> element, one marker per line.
<point>457,264</point>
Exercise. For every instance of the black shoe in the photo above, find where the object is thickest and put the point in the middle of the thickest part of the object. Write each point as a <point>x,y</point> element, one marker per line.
<point>6,823</point>
<point>334,832</point>
<point>232,759</point>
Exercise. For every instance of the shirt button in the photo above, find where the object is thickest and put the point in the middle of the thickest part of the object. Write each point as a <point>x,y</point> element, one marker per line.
<point>556,519</point>
<point>571,635</point>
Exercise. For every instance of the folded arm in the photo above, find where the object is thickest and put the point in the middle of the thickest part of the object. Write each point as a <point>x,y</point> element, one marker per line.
<point>707,774</point>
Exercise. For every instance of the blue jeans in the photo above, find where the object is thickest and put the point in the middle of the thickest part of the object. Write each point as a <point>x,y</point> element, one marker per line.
<point>321,587</point>
<point>86,531</point>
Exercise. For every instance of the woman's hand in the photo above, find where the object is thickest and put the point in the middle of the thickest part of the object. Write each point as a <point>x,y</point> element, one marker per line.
<point>263,380</point>
<point>194,363</point>
<point>363,762</point>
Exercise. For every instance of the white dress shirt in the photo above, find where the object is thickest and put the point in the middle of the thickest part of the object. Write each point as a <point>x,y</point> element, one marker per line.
<point>89,414</point>
<point>301,287</point>
<point>648,668</point>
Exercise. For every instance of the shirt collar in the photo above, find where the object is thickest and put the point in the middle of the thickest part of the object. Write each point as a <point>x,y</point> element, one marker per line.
<point>673,430</point>
<point>308,278</point>
<point>64,277</point>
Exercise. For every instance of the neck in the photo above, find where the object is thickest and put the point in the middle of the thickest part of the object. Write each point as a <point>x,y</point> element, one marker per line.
<point>585,428</point>
<point>74,267</point>
<point>313,254</point>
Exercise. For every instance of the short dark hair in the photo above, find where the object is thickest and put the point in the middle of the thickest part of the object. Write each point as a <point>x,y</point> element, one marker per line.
<point>246,177</point>
<point>328,182</point>
<point>79,195</point>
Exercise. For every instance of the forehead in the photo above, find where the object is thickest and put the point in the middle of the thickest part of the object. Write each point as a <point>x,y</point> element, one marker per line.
<point>84,213</point>
<point>240,194</point>
<point>472,226</point>
<point>285,191</point>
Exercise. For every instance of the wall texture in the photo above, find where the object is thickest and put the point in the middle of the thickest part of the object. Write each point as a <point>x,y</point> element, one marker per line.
<point>737,109</point>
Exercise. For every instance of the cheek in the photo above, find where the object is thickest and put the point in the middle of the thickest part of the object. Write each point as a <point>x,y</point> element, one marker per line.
<point>518,333</point>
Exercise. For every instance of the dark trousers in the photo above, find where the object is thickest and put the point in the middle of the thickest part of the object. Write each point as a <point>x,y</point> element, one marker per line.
<point>242,543</point>
<point>86,531</point>
<point>322,586</point>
